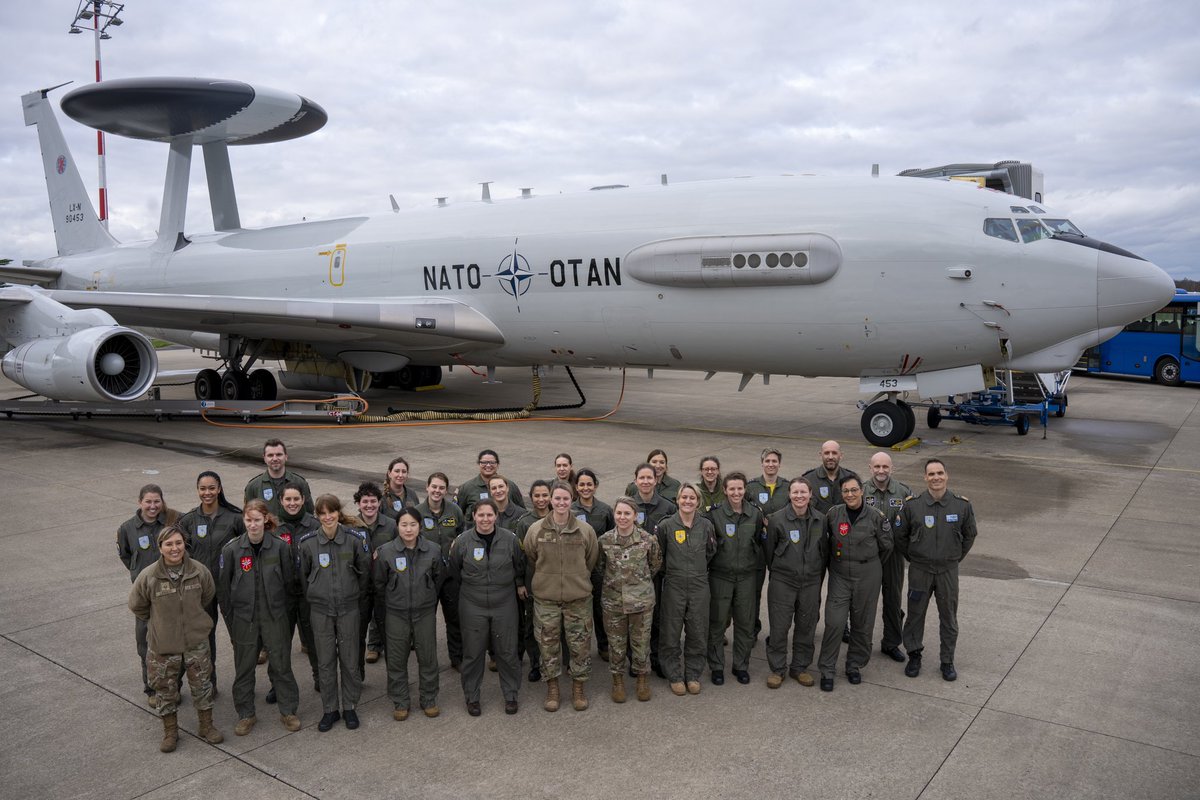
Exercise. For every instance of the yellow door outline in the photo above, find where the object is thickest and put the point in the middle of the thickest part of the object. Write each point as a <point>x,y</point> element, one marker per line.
<point>337,264</point>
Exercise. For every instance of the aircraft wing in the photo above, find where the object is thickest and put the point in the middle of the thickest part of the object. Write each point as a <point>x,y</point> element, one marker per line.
<point>409,322</point>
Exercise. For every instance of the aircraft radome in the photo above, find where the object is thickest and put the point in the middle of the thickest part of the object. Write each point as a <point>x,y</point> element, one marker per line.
<point>912,285</point>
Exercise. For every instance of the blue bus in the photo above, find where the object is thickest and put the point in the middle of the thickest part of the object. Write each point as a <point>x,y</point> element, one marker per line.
<point>1162,346</point>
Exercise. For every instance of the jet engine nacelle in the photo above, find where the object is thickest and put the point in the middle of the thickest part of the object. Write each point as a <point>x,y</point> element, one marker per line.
<point>107,363</point>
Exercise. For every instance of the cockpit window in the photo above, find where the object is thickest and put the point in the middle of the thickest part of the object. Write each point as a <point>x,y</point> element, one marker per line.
<point>1036,210</point>
<point>1018,209</point>
<point>1062,226</point>
<point>1001,228</point>
<point>1032,230</point>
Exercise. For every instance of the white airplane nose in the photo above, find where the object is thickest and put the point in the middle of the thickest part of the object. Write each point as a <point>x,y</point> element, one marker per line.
<point>1129,288</point>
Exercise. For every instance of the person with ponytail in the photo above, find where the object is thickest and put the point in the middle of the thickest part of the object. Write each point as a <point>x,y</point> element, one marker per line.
<point>206,529</point>
<point>137,547</point>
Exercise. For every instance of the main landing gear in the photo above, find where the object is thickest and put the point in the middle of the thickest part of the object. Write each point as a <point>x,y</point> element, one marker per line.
<point>238,381</point>
<point>235,385</point>
<point>409,378</point>
<point>888,422</point>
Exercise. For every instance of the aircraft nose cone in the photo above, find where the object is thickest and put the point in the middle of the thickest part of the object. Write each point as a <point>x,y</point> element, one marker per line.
<point>1129,288</point>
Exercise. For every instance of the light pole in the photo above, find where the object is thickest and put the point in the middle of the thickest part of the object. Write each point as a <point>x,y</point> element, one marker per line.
<point>103,15</point>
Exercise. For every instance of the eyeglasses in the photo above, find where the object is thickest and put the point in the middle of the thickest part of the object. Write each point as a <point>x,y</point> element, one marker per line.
<point>489,463</point>
<point>849,490</point>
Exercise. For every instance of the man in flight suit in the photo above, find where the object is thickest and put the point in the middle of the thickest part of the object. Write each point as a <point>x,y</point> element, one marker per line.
<point>886,494</point>
<point>935,532</point>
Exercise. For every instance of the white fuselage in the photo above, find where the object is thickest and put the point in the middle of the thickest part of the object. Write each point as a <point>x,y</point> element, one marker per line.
<point>918,286</point>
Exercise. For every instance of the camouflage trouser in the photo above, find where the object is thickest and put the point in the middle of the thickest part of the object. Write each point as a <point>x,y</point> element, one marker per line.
<point>140,627</point>
<point>635,628</point>
<point>574,618</point>
<point>165,670</point>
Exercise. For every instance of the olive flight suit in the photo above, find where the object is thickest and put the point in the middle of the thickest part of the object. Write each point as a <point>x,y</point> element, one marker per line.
<point>934,535</point>
<point>856,547</point>
<point>797,554</point>
<point>732,575</point>
<point>685,595</point>
<point>256,590</point>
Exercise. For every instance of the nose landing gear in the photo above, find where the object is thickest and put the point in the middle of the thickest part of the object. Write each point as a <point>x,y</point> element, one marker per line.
<point>888,422</point>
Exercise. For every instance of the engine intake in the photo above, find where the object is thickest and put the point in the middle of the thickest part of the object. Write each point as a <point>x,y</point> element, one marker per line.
<point>108,363</point>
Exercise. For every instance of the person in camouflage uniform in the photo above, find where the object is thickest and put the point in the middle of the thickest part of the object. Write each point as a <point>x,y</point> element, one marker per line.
<point>629,558</point>
<point>137,547</point>
<point>560,554</point>
<point>171,596</point>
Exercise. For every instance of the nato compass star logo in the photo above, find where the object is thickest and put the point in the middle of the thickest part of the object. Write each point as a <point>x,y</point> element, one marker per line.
<point>515,276</point>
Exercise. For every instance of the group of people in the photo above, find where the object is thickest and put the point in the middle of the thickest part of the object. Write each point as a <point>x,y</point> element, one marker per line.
<point>656,579</point>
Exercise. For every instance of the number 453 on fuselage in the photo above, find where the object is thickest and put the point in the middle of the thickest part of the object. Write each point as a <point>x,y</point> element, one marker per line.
<point>912,285</point>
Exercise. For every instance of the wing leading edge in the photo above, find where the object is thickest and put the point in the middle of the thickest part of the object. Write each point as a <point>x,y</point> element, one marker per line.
<point>416,322</point>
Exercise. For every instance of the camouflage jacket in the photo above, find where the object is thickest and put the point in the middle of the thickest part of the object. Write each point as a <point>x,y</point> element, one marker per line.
<point>628,567</point>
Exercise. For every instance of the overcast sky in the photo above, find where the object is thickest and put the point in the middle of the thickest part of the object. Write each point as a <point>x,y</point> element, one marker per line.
<point>427,99</point>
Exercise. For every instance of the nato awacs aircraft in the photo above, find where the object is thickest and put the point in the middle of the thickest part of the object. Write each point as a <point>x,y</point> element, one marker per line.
<point>914,286</point>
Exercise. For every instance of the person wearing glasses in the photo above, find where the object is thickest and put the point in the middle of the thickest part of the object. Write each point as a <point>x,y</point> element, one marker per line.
<point>472,491</point>
<point>860,538</point>
<point>711,484</point>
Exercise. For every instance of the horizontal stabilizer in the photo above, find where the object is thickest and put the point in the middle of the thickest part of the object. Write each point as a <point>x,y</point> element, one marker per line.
<point>29,276</point>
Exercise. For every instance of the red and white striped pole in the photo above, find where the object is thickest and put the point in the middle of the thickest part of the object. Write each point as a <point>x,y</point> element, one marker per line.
<point>100,134</point>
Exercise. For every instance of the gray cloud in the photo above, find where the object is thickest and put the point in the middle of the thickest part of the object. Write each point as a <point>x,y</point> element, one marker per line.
<point>429,99</point>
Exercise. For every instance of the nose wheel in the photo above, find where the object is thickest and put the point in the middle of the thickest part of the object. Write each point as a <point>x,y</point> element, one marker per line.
<point>888,422</point>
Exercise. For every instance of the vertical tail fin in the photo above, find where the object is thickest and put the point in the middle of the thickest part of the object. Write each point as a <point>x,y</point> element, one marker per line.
<point>77,228</point>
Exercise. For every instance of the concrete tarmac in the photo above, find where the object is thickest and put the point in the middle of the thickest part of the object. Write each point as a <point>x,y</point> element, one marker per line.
<point>1078,657</point>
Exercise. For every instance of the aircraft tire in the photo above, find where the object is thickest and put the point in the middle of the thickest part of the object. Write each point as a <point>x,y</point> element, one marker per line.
<point>405,378</point>
<point>933,418</point>
<point>909,415</point>
<point>208,384</point>
<point>429,376</point>
<point>262,385</point>
<point>1166,372</point>
<point>1061,409</point>
<point>234,386</point>
<point>884,424</point>
<point>1022,424</point>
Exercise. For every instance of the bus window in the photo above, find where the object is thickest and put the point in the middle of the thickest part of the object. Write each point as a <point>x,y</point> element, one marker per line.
<point>1143,325</point>
<point>1031,230</point>
<point>1189,323</point>
<point>1167,321</point>
<point>1001,228</point>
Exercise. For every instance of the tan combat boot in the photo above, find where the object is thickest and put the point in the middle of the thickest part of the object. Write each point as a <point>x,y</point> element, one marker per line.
<point>578,698</point>
<point>207,732</point>
<point>618,690</point>
<point>551,703</point>
<point>170,733</point>
<point>643,687</point>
